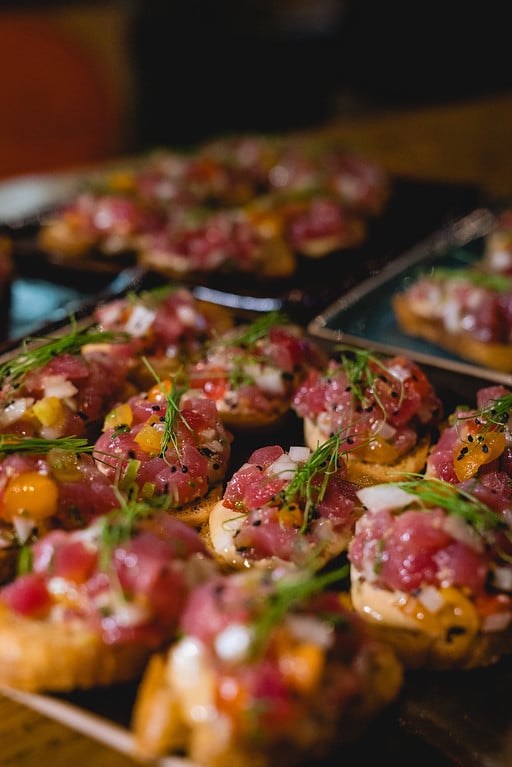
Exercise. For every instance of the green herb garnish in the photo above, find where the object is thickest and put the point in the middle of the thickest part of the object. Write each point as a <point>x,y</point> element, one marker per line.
<point>455,500</point>
<point>118,526</point>
<point>324,459</point>
<point>361,376</point>
<point>172,398</point>
<point>41,353</point>
<point>16,443</point>
<point>492,418</point>
<point>496,412</point>
<point>289,594</point>
<point>257,329</point>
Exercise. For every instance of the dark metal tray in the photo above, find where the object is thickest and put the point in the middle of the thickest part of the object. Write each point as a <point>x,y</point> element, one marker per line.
<point>364,316</point>
<point>446,719</point>
<point>415,209</point>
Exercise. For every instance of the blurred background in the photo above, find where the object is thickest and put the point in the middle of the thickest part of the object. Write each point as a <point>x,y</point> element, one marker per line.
<point>81,82</point>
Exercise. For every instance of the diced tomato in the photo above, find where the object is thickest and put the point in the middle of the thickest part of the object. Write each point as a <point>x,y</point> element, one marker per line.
<point>27,595</point>
<point>74,561</point>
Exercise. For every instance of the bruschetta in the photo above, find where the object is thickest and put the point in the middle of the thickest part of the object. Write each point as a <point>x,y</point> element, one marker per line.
<point>316,225</point>
<point>431,569</point>
<point>44,485</point>
<point>252,371</point>
<point>166,325</point>
<point>53,389</point>
<point>285,505</point>
<point>94,603</point>
<point>243,204</point>
<point>279,672</point>
<point>466,311</point>
<point>385,409</point>
<point>163,448</point>
<point>99,223</point>
<point>197,242</point>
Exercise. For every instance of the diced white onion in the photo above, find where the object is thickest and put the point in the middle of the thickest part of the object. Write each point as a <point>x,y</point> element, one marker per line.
<point>140,321</point>
<point>502,578</point>
<point>309,629</point>
<point>267,378</point>
<point>187,315</point>
<point>400,372</point>
<point>431,598</point>
<point>384,429</point>
<point>130,614</point>
<point>23,527</point>
<point>233,644</point>
<point>461,531</point>
<point>451,316</point>
<point>15,410</point>
<point>58,386</point>
<point>500,260</point>
<point>386,496</point>
<point>283,467</point>
<point>299,454</point>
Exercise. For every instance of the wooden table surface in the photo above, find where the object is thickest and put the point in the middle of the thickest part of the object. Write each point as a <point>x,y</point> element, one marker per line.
<point>470,142</point>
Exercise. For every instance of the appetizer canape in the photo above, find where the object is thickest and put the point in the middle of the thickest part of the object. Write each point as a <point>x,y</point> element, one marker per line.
<point>93,604</point>
<point>270,667</point>
<point>160,445</point>
<point>386,410</point>
<point>431,569</point>
<point>291,505</point>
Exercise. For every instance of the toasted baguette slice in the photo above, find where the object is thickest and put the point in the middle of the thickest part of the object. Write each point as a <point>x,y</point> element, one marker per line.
<point>254,422</point>
<point>98,601</point>
<point>319,247</point>
<point>301,720</point>
<point>497,356</point>
<point>37,655</point>
<point>365,473</point>
<point>159,728</point>
<point>196,514</point>
<point>450,638</point>
<point>219,535</point>
<point>272,259</point>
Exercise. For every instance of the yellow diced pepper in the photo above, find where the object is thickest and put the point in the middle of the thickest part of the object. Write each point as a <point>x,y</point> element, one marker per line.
<point>149,438</point>
<point>121,415</point>
<point>48,411</point>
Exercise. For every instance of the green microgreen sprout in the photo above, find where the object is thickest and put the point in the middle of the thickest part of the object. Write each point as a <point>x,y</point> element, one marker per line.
<point>289,594</point>
<point>325,460</point>
<point>17,443</point>
<point>492,417</point>
<point>118,525</point>
<point>256,330</point>
<point>36,352</point>
<point>172,398</point>
<point>495,412</point>
<point>358,367</point>
<point>455,500</point>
